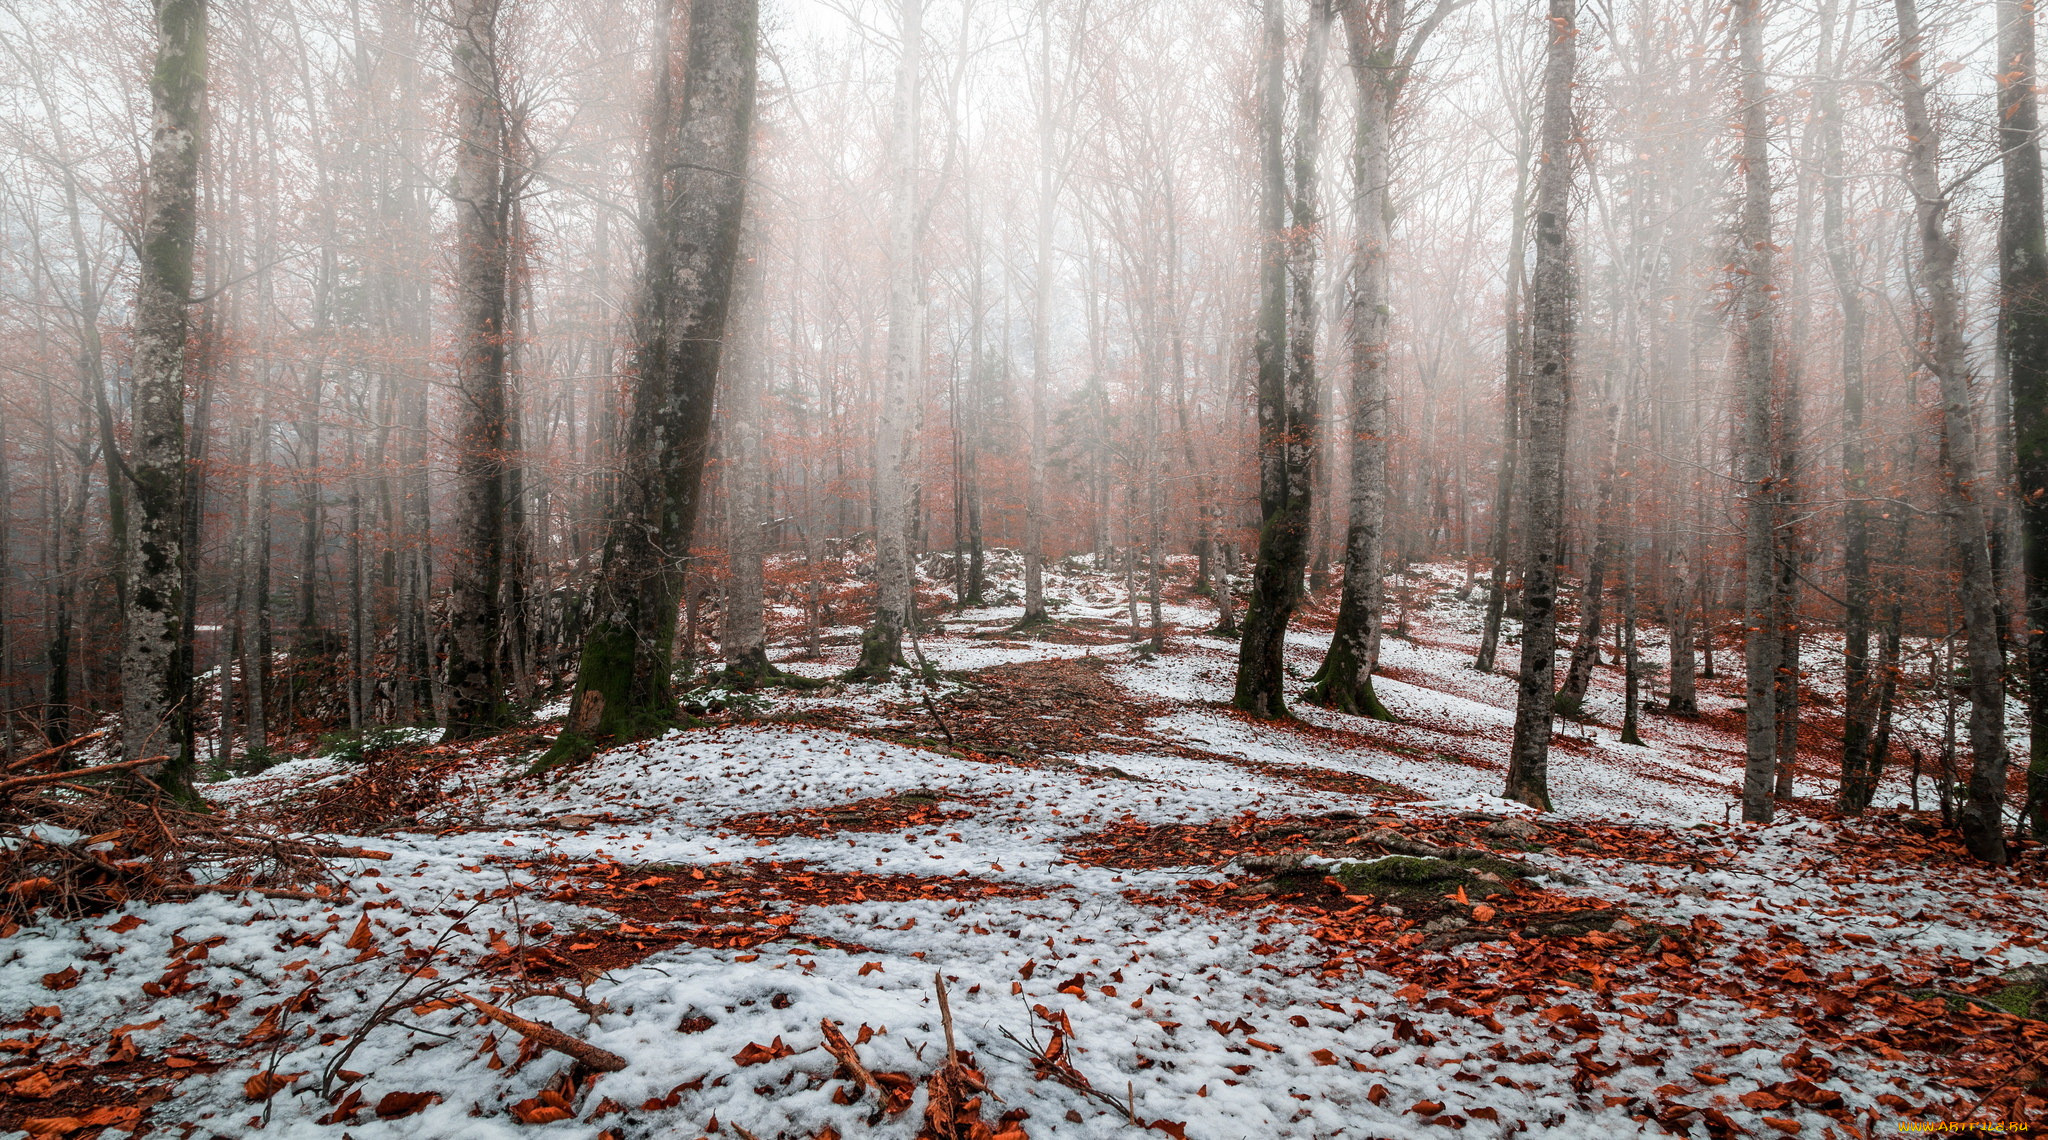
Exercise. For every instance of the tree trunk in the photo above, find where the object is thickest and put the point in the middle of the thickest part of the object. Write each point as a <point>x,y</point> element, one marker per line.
<point>1344,681</point>
<point>1578,674</point>
<point>2023,280</point>
<point>743,631</point>
<point>1760,564</point>
<point>691,231</point>
<point>1981,819</point>
<point>476,690</point>
<point>1860,685</point>
<point>156,682</point>
<point>1286,429</point>
<point>1512,331</point>
<point>881,644</point>
<point>1549,390</point>
<point>1041,338</point>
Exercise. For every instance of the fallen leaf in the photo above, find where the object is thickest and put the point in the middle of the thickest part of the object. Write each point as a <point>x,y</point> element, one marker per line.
<point>397,1104</point>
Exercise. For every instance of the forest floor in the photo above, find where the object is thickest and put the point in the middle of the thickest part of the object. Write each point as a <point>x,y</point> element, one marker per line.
<point>1150,914</point>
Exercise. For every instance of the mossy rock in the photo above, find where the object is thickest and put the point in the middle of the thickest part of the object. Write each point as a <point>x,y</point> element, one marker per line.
<point>1399,878</point>
<point>2026,999</point>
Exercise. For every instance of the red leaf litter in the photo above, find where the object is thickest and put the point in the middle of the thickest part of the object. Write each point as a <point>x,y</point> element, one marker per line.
<point>1148,914</point>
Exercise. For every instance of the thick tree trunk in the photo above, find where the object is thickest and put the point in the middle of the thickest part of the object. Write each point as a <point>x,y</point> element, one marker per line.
<point>1549,389</point>
<point>1981,819</point>
<point>881,644</point>
<point>624,687</point>
<point>476,690</point>
<point>156,682</point>
<point>1286,428</point>
<point>2023,279</point>
<point>1760,563</point>
<point>1344,681</point>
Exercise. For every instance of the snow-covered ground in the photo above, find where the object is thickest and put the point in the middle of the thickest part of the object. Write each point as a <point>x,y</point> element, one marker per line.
<point>706,899</point>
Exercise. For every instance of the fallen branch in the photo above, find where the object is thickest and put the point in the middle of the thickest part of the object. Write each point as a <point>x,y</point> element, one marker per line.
<point>548,1037</point>
<point>9,787</point>
<point>196,889</point>
<point>54,751</point>
<point>842,1049</point>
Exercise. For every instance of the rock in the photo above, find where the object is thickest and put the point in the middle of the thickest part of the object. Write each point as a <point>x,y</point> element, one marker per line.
<point>1511,829</point>
<point>1278,863</point>
<point>1447,922</point>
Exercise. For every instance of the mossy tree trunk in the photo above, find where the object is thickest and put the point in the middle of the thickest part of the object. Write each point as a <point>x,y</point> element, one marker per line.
<point>691,230</point>
<point>156,679</point>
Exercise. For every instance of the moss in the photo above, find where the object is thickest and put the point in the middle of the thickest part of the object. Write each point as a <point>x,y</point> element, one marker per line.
<point>1419,877</point>
<point>881,649</point>
<point>2024,1000</point>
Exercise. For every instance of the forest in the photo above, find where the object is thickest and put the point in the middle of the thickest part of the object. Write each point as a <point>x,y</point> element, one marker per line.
<point>990,569</point>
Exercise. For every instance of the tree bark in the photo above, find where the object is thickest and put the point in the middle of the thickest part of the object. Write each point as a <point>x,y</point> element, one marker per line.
<point>1344,681</point>
<point>1578,674</point>
<point>1760,551</point>
<point>1286,427</point>
<point>1041,336</point>
<point>881,644</point>
<point>1981,818</point>
<point>2023,281</point>
<point>156,681</point>
<point>691,230</point>
<point>743,631</point>
<point>1549,390</point>
<point>476,689</point>
<point>1859,764</point>
<point>1512,334</point>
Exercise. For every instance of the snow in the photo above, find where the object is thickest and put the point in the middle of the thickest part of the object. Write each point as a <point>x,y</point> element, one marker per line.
<point>1154,969</point>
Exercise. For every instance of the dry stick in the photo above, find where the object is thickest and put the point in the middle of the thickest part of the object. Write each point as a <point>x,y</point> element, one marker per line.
<point>9,787</point>
<point>53,751</point>
<point>946,1017</point>
<point>837,1045</point>
<point>548,1037</point>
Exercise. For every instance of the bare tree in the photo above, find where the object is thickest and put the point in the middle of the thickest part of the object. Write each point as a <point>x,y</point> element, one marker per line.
<point>881,644</point>
<point>156,681</point>
<point>1760,553</point>
<point>691,233</point>
<point>1549,391</point>
<point>1287,416</point>
<point>2023,281</point>
<point>476,689</point>
<point>1981,819</point>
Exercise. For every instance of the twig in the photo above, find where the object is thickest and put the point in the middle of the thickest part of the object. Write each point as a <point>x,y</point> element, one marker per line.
<point>946,1018</point>
<point>548,1037</point>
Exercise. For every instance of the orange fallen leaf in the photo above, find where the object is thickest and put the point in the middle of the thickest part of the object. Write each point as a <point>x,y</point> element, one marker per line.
<point>755,1054</point>
<point>267,1084</point>
<point>398,1104</point>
